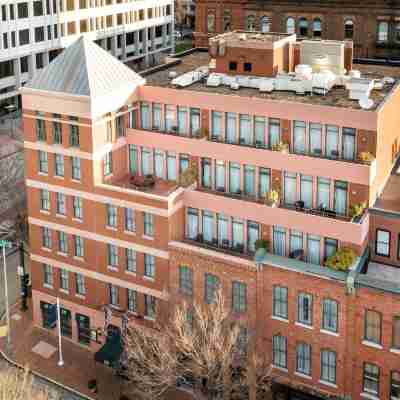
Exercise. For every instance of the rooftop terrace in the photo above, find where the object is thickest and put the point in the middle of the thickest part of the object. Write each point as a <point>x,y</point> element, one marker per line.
<point>338,96</point>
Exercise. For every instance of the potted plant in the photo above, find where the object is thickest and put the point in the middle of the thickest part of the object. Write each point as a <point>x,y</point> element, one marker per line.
<point>281,146</point>
<point>273,198</point>
<point>92,385</point>
<point>261,244</point>
<point>341,260</point>
<point>366,157</point>
<point>188,176</point>
<point>357,210</point>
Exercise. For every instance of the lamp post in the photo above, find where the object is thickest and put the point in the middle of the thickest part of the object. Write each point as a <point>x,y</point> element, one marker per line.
<point>60,356</point>
<point>6,244</point>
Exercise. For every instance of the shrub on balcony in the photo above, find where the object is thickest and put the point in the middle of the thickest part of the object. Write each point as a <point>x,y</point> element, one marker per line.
<point>281,146</point>
<point>341,260</point>
<point>366,157</point>
<point>188,176</point>
<point>357,210</point>
<point>272,198</point>
<point>261,244</point>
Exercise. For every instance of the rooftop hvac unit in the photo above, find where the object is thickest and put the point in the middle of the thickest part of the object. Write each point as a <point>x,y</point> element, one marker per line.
<point>214,80</point>
<point>304,71</point>
<point>320,63</point>
<point>359,87</point>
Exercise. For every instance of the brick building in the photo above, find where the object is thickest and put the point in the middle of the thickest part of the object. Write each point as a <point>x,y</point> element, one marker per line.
<point>373,26</point>
<point>113,228</point>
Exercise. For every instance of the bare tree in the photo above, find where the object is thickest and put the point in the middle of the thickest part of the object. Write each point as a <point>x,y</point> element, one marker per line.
<point>200,345</point>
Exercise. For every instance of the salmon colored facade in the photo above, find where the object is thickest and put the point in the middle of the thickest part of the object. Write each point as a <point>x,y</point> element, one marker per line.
<point>112,227</point>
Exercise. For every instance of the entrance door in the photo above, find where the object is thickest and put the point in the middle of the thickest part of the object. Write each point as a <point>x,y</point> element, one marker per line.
<point>83,323</point>
<point>66,322</point>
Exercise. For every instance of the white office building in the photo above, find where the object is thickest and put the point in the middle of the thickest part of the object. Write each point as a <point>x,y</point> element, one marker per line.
<point>33,32</point>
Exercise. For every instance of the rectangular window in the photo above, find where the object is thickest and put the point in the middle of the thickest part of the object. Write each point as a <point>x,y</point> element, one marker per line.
<point>112,255</point>
<point>44,200</point>
<point>146,161</point>
<point>222,230</point>
<point>231,127</point>
<point>304,308</point>
<point>208,226</point>
<point>130,224</point>
<point>64,279</point>
<point>382,246</point>
<point>183,162</point>
<point>46,238</point>
<point>371,379</point>
<point>330,247</point>
<point>132,300</point>
<point>303,358</point>
<point>332,141</point>
<point>130,260</point>
<point>195,121</point>
<point>60,204</point>
<point>148,224</point>
<point>249,180</point>
<point>76,168</point>
<point>340,197</point>
<point>328,366</point>
<point>77,207</point>
<point>330,315</point>
<point>313,249</point>
<point>211,285</point>
<point>279,351</point>
<point>220,176</point>
<point>237,235</point>
<point>264,182</point>
<point>206,172</point>
<point>395,385</point>
<point>43,162</point>
<point>185,280</point>
<point>47,275</point>
<point>373,326</point>
<point>239,297</point>
<point>149,306</point>
<point>57,133</point>
<point>149,266</point>
<point>107,164</point>
<point>306,190</point>
<point>157,116</point>
<point>113,294</point>
<point>315,139</point>
<point>159,158</point>
<point>145,116</point>
<point>80,284</point>
<point>62,242</point>
<point>323,192</point>
<point>295,242</point>
<point>279,241</point>
<point>290,188</point>
<point>111,216</point>
<point>120,126</point>
<point>79,248</point>
<point>245,136</point>
<point>216,125</point>
<point>299,137</point>
<point>349,143</point>
<point>171,166</point>
<point>133,159</point>
<point>396,333</point>
<point>234,178</point>
<point>192,227</point>
<point>274,132</point>
<point>182,118</point>
<point>259,131</point>
<point>280,302</point>
<point>170,121</point>
<point>253,234</point>
<point>41,130</point>
<point>58,165</point>
<point>74,135</point>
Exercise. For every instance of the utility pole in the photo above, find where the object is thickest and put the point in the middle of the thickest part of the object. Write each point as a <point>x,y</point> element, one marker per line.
<point>4,244</point>
<point>60,356</point>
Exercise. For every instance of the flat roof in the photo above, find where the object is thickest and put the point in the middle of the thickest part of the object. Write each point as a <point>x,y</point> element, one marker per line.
<point>336,97</point>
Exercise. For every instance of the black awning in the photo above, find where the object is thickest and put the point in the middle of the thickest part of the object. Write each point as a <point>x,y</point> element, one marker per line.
<point>110,352</point>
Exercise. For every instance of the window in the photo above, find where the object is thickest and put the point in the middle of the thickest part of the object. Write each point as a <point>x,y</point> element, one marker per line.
<point>74,135</point>
<point>192,224</point>
<point>290,188</point>
<point>148,224</point>
<point>340,198</point>
<point>39,34</point>
<point>397,32</point>
<point>149,266</point>
<point>317,27</point>
<point>58,165</point>
<point>232,66</point>
<point>133,159</point>
<point>330,247</point>
<point>113,294</point>
<point>259,131</point>
<point>159,159</point>
<point>107,164</point>
<point>227,21</point>
<point>304,308</point>
<point>23,37</point>
<point>295,242</point>
<point>76,168</point>
<point>290,25</point>
<point>130,260</point>
<point>332,141</point>
<point>313,249</point>
<point>195,121</point>
<point>157,116</point>
<point>265,24</point>
<point>43,162</point>
<point>234,178</point>
<point>330,315</point>
<point>211,285</point>
<point>22,10</point>
<point>239,296</point>
<point>145,116</point>
<point>279,241</point>
<point>247,67</point>
<point>182,121</point>
<point>112,255</point>
<point>47,275</point>
<point>371,379</point>
<point>220,176</point>
<point>328,366</point>
<point>315,139</point>
<point>231,127</point>
<point>37,8</point>
<point>146,161</point>
<point>395,385</point>
<point>78,241</point>
<point>264,180</point>
<point>171,166</point>
<point>279,351</point>
<point>306,190</point>
<point>249,180</point>
<point>60,204</point>
<point>383,31</point>
<point>62,242</point>
<point>111,216</point>
<point>323,192</point>
<point>349,143</point>
<point>206,172</point>
<point>80,284</point>
<point>245,133</point>
<point>216,125</point>
<point>46,238</point>
<point>130,225</point>
<point>280,302</point>
<point>382,245</point>
<point>303,27</point>
<point>348,29</point>
<point>132,300</point>
<point>373,326</point>
<point>303,358</point>
<point>396,333</point>
<point>222,230</point>
<point>44,200</point>
<point>210,23</point>
<point>41,130</point>
<point>170,122</point>
<point>77,207</point>
<point>64,279</point>
<point>149,306</point>
<point>299,137</point>
<point>185,280</point>
<point>183,162</point>
<point>250,26</point>
<point>237,234</point>
<point>253,233</point>
<point>120,126</point>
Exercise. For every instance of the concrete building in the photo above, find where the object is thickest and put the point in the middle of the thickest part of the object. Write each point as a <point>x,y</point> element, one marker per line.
<point>185,11</point>
<point>33,32</point>
<point>295,153</point>
<point>373,26</point>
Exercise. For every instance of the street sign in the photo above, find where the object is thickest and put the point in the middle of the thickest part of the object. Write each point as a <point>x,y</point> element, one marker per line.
<point>20,270</point>
<point>6,244</point>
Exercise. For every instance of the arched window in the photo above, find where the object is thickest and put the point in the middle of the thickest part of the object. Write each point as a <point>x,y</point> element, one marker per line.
<point>348,29</point>
<point>303,27</point>
<point>383,30</point>
<point>227,20</point>
<point>397,32</point>
<point>265,24</point>
<point>290,25</point>
<point>250,23</point>
<point>317,27</point>
<point>210,23</point>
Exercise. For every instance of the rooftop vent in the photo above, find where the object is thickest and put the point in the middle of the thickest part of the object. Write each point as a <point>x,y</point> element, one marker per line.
<point>172,74</point>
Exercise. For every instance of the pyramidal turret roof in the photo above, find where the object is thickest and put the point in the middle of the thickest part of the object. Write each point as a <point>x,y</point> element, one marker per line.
<point>85,69</point>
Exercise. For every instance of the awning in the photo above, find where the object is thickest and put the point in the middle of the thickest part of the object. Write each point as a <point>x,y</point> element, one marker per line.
<point>111,351</point>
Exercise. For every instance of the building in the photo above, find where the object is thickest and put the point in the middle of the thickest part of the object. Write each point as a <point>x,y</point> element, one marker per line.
<point>33,32</point>
<point>185,11</point>
<point>118,228</point>
<point>373,26</point>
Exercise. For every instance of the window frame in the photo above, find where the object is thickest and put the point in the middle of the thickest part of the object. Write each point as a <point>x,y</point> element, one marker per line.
<point>388,243</point>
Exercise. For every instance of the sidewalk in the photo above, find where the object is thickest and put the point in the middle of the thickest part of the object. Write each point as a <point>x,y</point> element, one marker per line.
<point>79,365</point>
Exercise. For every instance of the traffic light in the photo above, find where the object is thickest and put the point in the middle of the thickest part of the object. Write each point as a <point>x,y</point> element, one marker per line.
<point>24,285</point>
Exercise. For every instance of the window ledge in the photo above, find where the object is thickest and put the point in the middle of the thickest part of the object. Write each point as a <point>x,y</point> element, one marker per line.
<point>75,180</point>
<point>330,384</point>
<point>130,232</point>
<point>372,344</point>
<point>280,319</point>
<point>46,249</point>
<point>62,254</point>
<point>58,177</point>
<point>111,228</point>
<point>79,258</point>
<point>369,396</point>
<point>147,237</point>
<point>43,174</point>
<point>329,332</point>
<point>148,278</point>
<point>65,291</point>
<point>147,318</point>
<point>304,376</point>
<point>77,220</point>
<point>280,368</point>
<point>80,296</point>
<point>395,351</point>
<point>304,325</point>
<point>47,212</point>
<point>48,286</point>
<point>130,273</point>
<point>61,215</point>
<point>112,268</point>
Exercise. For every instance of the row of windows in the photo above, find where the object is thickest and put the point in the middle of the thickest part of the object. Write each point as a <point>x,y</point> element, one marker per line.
<point>56,130</point>
<point>59,170</point>
<point>61,204</point>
